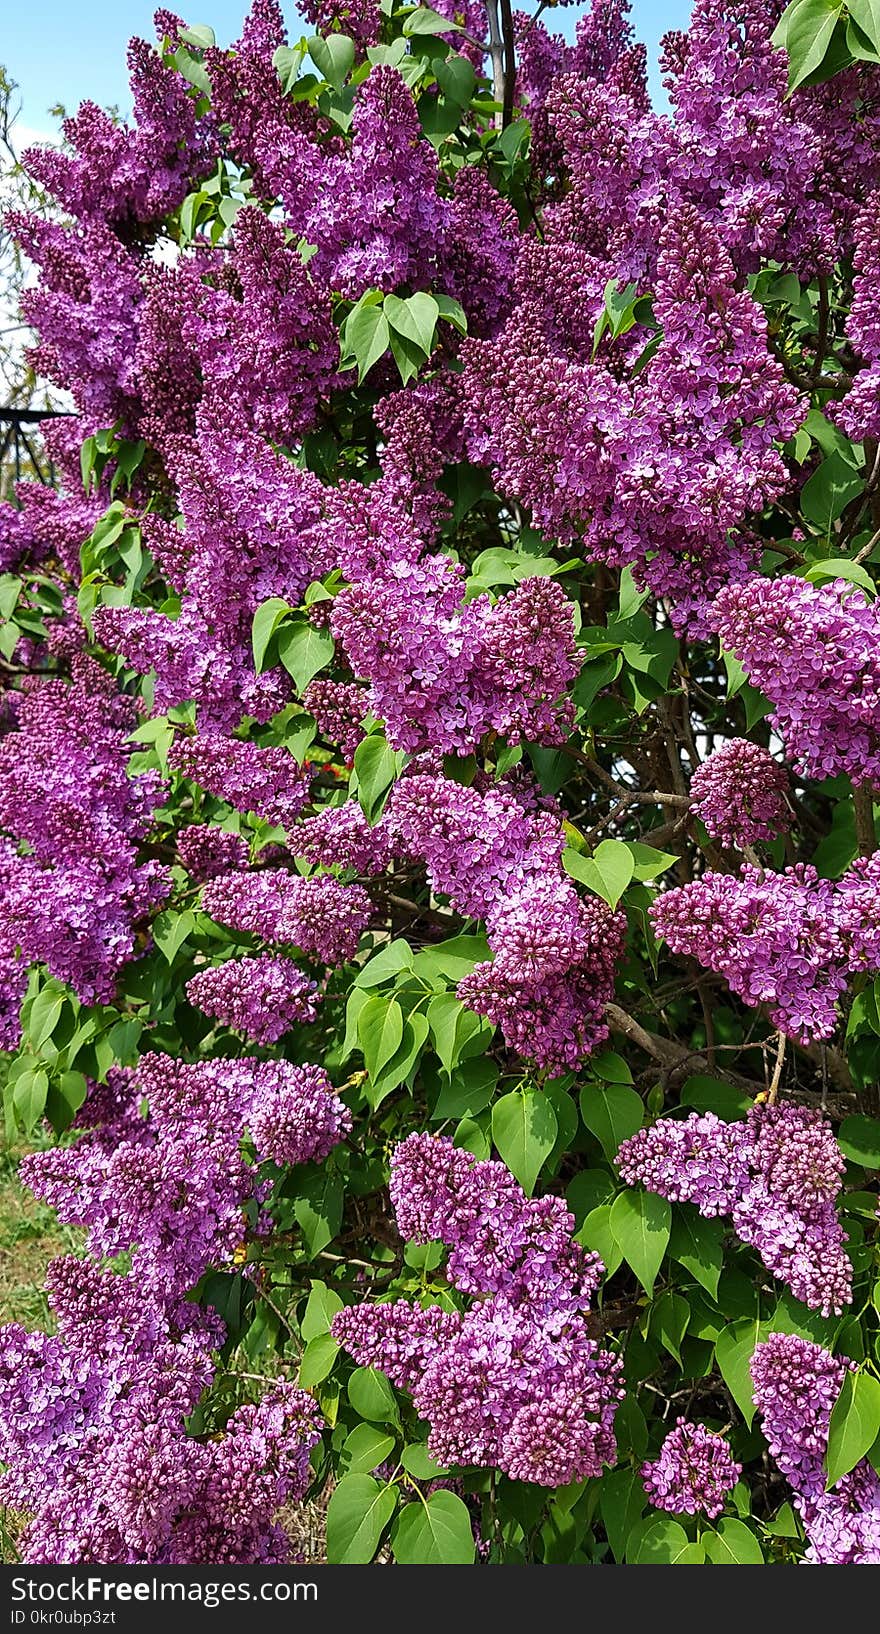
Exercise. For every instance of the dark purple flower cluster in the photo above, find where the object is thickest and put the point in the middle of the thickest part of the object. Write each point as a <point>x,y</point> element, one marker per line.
<point>693,1472</point>
<point>790,940</point>
<point>158,1171</point>
<point>739,793</point>
<point>320,916</point>
<point>260,997</point>
<point>71,887</point>
<point>206,851</point>
<point>267,782</point>
<point>776,1175</point>
<point>796,1386</point>
<point>513,1382</point>
<point>813,650</point>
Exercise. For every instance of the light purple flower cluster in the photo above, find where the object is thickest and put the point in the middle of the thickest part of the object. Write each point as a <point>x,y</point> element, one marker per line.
<point>776,1174</point>
<point>266,781</point>
<point>339,708</point>
<point>94,1445</point>
<point>260,997</point>
<point>796,1386</point>
<point>739,793</point>
<point>441,674</point>
<point>320,916</point>
<point>790,940</point>
<point>513,1382</point>
<point>172,1186</point>
<point>73,898</point>
<point>859,414</point>
<point>496,853</point>
<point>814,650</point>
<point>206,851</point>
<point>693,1472</point>
<point>341,835</point>
<point>112,1476</point>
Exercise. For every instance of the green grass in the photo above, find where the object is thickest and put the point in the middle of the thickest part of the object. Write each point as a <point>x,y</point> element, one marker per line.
<point>30,1236</point>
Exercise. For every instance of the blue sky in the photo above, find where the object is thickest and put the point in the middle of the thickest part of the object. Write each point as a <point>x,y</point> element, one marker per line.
<point>61,51</point>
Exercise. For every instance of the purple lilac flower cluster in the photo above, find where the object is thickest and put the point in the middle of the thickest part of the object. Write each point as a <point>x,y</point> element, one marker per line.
<point>813,650</point>
<point>496,851</point>
<point>790,940</point>
<point>796,1386</point>
<point>266,781</point>
<point>71,886</point>
<point>513,1382</point>
<point>320,916</point>
<point>113,1475</point>
<point>206,851</point>
<point>693,1472</point>
<point>776,1175</point>
<point>261,997</point>
<point>171,1186</point>
<point>739,793</point>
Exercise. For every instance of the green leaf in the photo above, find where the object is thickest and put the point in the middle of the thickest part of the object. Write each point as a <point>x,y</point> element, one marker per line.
<point>805,30</point>
<point>321,1307</point>
<point>826,494</point>
<point>317,1360</point>
<point>707,1094</point>
<point>365,1449</point>
<point>44,1015</point>
<point>859,1140</point>
<point>417,1461</point>
<point>365,335</point>
<point>854,1426</point>
<point>304,649</point>
<point>665,1542</point>
<point>29,1096</point>
<point>333,57</point>
<point>287,62</point>
<point>670,1315</point>
<point>641,1223</point>
<point>386,964</point>
<point>866,15</point>
<point>596,1233</point>
<point>453,1028</point>
<point>621,1505</point>
<point>266,621</point>
<point>424,20</point>
<point>524,1130</point>
<point>469,1091</point>
<point>170,931</point>
<point>648,863</point>
<point>448,308</point>
<point>375,768</point>
<point>608,872</point>
<point>734,1349</point>
<point>398,1068</point>
<point>318,1209</point>
<point>732,1543</point>
<point>372,1397</point>
<point>357,1515</point>
<point>380,1031</point>
<point>66,1095</point>
<point>696,1244</point>
<point>612,1114</point>
<point>437,1532</point>
<point>415,318</point>
<point>840,567</point>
